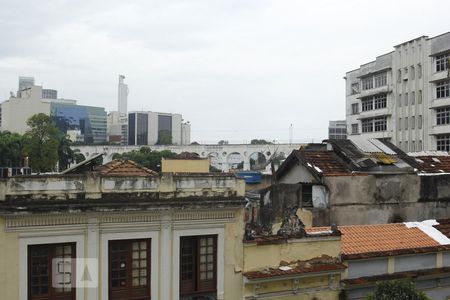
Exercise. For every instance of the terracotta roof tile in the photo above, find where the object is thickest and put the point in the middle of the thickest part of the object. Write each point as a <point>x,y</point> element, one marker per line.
<point>381,239</point>
<point>434,164</point>
<point>124,167</point>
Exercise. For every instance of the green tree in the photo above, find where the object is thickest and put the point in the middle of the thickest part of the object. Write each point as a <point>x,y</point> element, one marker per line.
<point>222,142</point>
<point>146,157</point>
<point>11,149</point>
<point>259,142</point>
<point>395,290</point>
<point>65,153</point>
<point>41,143</point>
<point>164,138</point>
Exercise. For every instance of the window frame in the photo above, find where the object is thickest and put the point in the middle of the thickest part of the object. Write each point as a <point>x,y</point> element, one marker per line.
<point>443,116</point>
<point>51,255</point>
<point>441,62</point>
<point>130,289</point>
<point>443,89</point>
<point>443,142</point>
<point>197,285</point>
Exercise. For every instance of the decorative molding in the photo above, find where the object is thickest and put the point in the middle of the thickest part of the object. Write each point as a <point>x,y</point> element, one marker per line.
<point>204,215</point>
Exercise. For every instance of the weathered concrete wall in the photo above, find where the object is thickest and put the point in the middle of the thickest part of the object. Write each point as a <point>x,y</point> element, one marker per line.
<point>185,165</point>
<point>297,174</point>
<point>367,267</point>
<point>415,262</point>
<point>91,186</point>
<point>258,257</point>
<point>9,263</point>
<point>435,188</point>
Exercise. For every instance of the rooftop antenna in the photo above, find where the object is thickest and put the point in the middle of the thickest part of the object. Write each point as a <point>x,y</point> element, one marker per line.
<point>290,134</point>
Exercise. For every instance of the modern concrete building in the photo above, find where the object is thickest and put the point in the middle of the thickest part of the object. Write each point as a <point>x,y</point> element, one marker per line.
<point>150,128</point>
<point>17,110</point>
<point>89,121</point>
<point>117,131</point>
<point>25,82</point>
<point>403,96</point>
<point>81,123</point>
<point>337,130</point>
<point>122,96</point>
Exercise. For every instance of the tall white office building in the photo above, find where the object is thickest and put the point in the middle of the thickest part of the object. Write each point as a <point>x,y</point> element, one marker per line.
<point>122,97</point>
<point>403,96</point>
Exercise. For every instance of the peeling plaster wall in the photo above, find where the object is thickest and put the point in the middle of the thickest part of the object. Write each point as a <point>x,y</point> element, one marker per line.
<point>264,256</point>
<point>9,260</point>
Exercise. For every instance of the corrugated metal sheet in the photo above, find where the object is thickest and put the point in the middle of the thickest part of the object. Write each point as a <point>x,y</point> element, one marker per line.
<point>382,147</point>
<point>366,145</point>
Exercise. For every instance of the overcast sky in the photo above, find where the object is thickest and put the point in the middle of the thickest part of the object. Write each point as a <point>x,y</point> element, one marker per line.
<point>236,69</point>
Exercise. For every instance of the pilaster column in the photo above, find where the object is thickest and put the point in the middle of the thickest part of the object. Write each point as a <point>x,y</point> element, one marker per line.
<point>165,270</point>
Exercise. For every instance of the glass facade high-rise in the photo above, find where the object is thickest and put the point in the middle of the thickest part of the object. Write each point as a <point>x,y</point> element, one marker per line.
<point>90,121</point>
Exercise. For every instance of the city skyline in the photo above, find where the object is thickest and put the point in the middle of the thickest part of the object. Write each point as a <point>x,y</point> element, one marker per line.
<point>219,64</point>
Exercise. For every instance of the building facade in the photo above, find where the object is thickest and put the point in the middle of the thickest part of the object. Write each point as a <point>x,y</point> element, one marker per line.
<point>122,96</point>
<point>89,121</point>
<point>150,128</point>
<point>137,234</point>
<point>403,96</point>
<point>337,130</point>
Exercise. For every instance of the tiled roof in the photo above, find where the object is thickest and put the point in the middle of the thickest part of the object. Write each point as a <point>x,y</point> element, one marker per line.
<point>318,264</point>
<point>433,164</point>
<point>361,241</point>
<point>124,167</point>
<point>443,227</point>
<point>326,161</point>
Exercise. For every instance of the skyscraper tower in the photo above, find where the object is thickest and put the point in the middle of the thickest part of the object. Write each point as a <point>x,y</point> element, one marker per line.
<point>122,97</point>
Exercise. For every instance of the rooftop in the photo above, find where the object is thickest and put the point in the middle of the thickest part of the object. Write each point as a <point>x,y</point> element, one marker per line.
<point>124,167</point>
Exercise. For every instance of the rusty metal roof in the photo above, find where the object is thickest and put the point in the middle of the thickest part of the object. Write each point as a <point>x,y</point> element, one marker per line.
<point>433,164</point>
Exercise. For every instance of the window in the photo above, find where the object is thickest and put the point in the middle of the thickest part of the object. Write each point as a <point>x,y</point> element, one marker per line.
<point>442,62</point>
<point>443,89</point>
<point>129,264</point>
<point>367,125</point>
<point>355,108</point>
<point>412,73</point>
<point>406,146</point>
<point>419,146</point>
<point>380,101</point>
<point>399,123</point>
<point>367,104</point>
<point>375,102</point>
<point>443,143</point>
<point>406,123</point>
<point>374,124</point>
<point>399,100</point>
<point>355,88</point>
<point>307,195</point>
<point>413,98</point>
<point>380,123</point>
<point>413,122</point>
<point>367,83</point>
<point>399,75</point>
<point>380,79</point>
<point>419,71</point>
<point>413,146</point>
<point>443,116</point>
<point>355,128</point>
<point>419,122</point>
<point>419,100</point>
<point>406,99</point>
<point>40,271</point>
<point>198,263</point>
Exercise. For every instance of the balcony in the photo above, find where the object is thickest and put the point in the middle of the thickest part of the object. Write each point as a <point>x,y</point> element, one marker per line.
<point>375,91</point>
<point>440,129</point>
<point>374,113</point>
<point>441,102</point>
